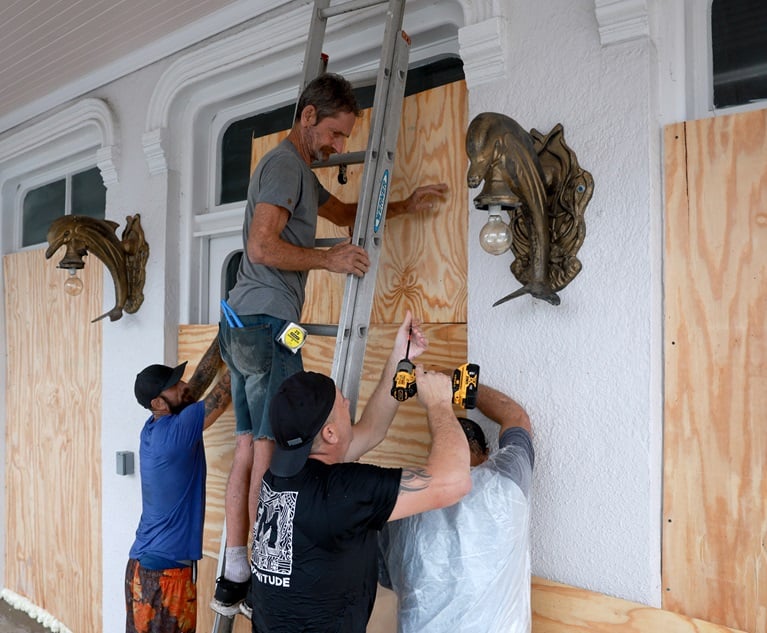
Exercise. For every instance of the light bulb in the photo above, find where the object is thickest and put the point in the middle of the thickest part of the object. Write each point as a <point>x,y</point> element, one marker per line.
<point>495,236</point>
<point>73,286</point>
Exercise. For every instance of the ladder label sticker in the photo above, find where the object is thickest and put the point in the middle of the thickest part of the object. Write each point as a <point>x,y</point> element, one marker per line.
<point>381,200</point>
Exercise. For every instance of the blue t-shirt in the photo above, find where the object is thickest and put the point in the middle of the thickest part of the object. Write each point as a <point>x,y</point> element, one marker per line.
<point>173,470</point>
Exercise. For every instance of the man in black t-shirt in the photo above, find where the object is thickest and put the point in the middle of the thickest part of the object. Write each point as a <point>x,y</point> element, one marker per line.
<point>315,538</point>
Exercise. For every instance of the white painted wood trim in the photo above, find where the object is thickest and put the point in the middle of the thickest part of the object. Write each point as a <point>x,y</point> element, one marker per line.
<point>86,113</point>
<point>276,30</point>
<point>622,20</point>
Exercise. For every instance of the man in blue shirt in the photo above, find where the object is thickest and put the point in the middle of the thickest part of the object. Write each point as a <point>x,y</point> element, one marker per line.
<point>160,583</point>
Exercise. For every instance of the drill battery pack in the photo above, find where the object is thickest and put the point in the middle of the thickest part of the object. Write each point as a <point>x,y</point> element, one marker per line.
<point>465,385</point>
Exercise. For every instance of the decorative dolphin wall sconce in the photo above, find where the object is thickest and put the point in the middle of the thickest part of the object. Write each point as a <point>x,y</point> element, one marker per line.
<point>538,181</point>
<point>125,259</point>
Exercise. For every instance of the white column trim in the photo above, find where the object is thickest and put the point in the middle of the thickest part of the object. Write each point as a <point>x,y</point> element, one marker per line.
<point>483,49</point>
<point>154,143</point>
<point>622,20</point>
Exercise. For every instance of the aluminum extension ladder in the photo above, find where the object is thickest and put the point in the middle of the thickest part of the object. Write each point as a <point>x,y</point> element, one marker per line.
<point>352,331</point>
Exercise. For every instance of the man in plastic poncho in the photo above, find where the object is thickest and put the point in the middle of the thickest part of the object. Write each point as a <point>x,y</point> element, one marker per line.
<point>466,567</point>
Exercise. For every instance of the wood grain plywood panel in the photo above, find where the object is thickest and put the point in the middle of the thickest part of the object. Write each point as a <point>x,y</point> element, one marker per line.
<point>715,348</point>
<point>424,259</point>
<point>53,439</point>
<point>559,608</point>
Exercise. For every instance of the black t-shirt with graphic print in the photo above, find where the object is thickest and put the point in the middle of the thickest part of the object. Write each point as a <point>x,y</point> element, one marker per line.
<point>314,547</point>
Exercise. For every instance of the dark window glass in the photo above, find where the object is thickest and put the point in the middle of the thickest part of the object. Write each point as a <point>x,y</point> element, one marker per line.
<point>739,40</point>
<point>41,207</point>
<point>89,195</point>
<point>235,146</point>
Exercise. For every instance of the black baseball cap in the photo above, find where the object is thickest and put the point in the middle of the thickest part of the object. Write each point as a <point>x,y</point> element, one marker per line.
<point>153,380</point>
<point>297,412</point>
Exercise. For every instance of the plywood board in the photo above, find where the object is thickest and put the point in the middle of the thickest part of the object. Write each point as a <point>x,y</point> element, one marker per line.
<point>715,349</point>
<point>407,442</point>
<point>559,608</point>
<point>424,259</point>
<point>53,439</point>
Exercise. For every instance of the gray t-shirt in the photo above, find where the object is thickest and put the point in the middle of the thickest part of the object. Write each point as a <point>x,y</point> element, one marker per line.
<point>283,179</point>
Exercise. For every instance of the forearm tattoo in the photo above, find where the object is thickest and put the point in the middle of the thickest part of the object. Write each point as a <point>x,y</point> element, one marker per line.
<point>413,480</point>
<point>206,370</point>
<point>220,395</point>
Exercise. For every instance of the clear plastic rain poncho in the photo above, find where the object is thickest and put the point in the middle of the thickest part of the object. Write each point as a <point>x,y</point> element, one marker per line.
<point>466,568</point>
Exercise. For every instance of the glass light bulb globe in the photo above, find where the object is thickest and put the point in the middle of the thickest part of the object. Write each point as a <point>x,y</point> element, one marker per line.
<point>73,286</point>
<point>495,236</point>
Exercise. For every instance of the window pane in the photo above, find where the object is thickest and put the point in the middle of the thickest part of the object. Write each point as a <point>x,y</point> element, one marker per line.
<point>89,195</point>
<point>235,149</point>
<point>235,145</point>
<point>41,207</point>
<point>739,39</point>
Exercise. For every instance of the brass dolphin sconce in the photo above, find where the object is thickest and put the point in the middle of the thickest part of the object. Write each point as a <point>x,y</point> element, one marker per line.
<point>125,259</point>
<point>538,181</point>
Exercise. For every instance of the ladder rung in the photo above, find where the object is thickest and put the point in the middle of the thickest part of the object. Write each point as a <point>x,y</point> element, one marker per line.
<point>320,329</point>
<point>327,242</point>
<point>347,158</point>
<point>347,7</point>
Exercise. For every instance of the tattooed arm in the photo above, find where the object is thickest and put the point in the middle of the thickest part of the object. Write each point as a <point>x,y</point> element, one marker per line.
<point>218,399</point>
<point>206,370</point>
<point>445,478</point>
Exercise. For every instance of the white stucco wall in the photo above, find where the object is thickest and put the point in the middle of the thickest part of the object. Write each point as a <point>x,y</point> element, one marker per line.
<point>588,371</point>
<point>134,341</point>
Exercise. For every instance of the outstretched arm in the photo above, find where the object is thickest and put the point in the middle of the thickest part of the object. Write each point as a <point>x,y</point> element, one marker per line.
<point>206,370</point>
<point>501,409</point>
<point>445,478</point>
<point>218,399</point>
<point>424,198</point>
<point>381,406</point>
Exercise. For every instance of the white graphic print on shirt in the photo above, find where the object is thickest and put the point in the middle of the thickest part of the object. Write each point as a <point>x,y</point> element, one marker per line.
<point>273,533</point>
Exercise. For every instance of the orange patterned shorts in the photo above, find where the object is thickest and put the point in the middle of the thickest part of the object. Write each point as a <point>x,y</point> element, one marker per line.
<point>159,601</point>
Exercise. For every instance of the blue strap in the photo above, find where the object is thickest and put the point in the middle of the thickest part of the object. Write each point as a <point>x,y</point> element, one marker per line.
<point>230,315</point>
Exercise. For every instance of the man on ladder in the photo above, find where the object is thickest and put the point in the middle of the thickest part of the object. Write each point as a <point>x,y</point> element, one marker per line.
<point>284,200</point>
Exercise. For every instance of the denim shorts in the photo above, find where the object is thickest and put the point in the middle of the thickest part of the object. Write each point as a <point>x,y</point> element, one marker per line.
<point>258,364</point>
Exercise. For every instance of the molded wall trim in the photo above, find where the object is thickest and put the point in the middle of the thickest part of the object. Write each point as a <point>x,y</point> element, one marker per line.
<point>622,20</point>
<point>83,116</point>
<point>483,51</point>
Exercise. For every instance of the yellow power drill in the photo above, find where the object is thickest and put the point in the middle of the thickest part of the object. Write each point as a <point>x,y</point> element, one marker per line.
<point>465,382</point>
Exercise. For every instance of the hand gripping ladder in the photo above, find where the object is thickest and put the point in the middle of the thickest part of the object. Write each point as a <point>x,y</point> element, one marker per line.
<point>352,330</point>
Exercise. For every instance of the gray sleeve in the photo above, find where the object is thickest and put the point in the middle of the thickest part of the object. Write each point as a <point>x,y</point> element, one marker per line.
<point>279,181</point>
<point>515,457</point>
<point>324,195</point>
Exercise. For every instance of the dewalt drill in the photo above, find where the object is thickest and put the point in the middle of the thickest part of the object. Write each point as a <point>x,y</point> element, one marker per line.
<point>403,386</point>
<point>465,382</point>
